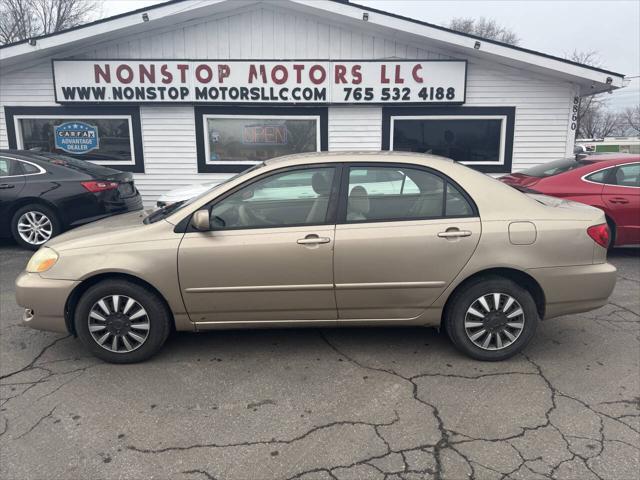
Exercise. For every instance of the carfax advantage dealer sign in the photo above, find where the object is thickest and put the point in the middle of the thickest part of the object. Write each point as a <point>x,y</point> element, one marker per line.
<point>268,81</point>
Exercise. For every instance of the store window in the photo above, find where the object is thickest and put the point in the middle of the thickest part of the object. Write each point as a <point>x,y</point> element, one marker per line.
<point>233,142</point>
<point>479,137</point>
<point>85,134</point>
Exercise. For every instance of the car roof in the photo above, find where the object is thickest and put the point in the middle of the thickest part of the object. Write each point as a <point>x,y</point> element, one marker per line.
<point>356,156</point>
<point>22,154</point>
<point>611,156</point>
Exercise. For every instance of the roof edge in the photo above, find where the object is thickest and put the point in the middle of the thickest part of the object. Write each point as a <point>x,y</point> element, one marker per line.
<point>341,2</point>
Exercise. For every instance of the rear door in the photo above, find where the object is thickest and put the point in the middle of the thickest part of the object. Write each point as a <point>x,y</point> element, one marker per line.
<point>621,194</point>
<point>404,233</point>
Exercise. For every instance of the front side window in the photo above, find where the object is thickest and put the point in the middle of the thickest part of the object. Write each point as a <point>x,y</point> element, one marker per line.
<point>297,197</point>
<point>98,139</point>
<point>247,140</point>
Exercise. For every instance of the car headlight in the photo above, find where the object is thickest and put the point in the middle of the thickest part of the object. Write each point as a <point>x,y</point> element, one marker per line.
<point>42,260</point>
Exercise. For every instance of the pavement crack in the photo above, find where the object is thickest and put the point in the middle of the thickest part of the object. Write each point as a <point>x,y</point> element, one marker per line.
<point>32,364</point>
<point>262,442</point>
<point>206,474</point>
<point>35,425</point>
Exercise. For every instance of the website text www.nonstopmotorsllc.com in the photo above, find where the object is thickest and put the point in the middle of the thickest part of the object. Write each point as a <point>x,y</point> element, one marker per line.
<point>261,82</point>
<point>159,93</point>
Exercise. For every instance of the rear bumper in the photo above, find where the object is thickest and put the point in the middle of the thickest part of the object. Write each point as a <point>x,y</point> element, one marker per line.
<point>44,301</point>
<point>575,289</point>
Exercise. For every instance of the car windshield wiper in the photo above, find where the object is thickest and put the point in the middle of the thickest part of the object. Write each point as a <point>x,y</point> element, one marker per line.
<point>162,212</point>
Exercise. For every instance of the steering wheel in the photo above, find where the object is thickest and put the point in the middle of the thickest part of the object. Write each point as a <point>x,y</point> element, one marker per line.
<point>249,217</point>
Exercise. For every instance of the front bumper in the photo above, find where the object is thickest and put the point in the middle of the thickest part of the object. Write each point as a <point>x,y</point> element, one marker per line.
<point>44,301</point>
<point>575,289</point>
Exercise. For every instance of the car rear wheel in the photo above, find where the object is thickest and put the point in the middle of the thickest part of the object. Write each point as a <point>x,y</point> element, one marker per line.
<point>122,322</point>
<point>33,225</point>
<point>491,319</point>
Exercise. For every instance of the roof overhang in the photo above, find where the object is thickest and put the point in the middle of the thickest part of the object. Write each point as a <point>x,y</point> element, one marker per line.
<point>590,79</point>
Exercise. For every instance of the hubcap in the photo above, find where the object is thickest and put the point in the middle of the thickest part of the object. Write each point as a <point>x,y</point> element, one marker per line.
<point>118,323</point>
<point>494,321</point>
<point>34,227</point>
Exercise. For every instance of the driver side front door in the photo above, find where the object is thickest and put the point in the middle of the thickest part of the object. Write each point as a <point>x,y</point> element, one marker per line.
<point>268,255</point>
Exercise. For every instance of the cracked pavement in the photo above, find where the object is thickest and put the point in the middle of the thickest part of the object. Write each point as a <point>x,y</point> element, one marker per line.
<point>316,404</point>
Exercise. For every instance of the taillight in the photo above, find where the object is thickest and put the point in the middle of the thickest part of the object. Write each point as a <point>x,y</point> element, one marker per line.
<point>95,187</point>
<point>600,234</point>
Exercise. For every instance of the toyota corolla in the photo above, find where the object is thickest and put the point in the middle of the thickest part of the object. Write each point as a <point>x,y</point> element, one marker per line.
<point>327,240</point>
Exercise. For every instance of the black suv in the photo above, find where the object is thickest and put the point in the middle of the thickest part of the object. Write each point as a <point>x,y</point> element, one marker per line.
<point>43,194</point>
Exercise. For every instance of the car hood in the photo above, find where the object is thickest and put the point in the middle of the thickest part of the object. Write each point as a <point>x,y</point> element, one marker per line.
<point>112,230</point>
<point>185,193</point>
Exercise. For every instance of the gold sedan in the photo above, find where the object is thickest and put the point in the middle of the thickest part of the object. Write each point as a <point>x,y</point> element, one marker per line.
<point>338,239</point>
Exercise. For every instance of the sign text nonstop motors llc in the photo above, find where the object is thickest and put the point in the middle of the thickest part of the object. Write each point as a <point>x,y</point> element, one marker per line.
<point>273,81</point>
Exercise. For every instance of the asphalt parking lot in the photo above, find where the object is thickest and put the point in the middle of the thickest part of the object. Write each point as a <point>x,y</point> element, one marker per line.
<point>326,404</point>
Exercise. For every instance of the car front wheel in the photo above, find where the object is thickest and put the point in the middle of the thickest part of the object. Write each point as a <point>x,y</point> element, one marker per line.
<point>491,319</point>
<point>122,322</point>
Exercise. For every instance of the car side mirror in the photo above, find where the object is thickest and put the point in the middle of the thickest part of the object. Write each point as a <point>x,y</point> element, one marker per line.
<point>200,220</point>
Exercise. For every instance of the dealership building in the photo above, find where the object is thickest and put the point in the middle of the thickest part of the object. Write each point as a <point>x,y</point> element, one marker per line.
<point>192,91</point>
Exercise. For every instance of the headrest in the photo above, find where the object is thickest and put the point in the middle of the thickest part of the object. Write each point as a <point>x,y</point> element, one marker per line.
<point>320,184</point>
<point>358,200</point>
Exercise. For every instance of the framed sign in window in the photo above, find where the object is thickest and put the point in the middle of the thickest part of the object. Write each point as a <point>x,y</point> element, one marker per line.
<point>480,137</point>
<point>233,142</point>
<point>109,137</point>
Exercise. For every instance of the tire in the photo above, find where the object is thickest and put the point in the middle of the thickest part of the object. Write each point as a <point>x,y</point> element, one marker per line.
<point>612,229</point>
<point>48,225</point>
<point>122,320</point>
<point>462,325</point>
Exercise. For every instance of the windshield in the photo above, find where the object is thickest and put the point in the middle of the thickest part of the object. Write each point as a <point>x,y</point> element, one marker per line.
<point>165,211</point>
<point>75,164</point>
<point>550,169</point>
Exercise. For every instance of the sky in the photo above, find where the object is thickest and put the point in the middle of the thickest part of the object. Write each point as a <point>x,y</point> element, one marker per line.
<point>556,27</point>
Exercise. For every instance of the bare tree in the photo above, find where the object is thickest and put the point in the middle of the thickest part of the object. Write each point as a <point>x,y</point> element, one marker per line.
<point>600,122</point>
<point>631,118</point>
<point>485,28</point>
<point>23,19</point>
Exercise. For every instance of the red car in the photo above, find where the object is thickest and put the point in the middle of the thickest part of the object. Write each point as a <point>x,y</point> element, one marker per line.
<point>610,182</point>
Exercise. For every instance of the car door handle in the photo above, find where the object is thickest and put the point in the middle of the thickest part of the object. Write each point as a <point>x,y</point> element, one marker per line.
<point>455,234</point>
<point>313,240</point>
<point>619,200</point>
<point>6,185</point>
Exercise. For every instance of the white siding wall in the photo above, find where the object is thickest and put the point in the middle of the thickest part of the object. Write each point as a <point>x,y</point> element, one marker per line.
<point>542,104</point>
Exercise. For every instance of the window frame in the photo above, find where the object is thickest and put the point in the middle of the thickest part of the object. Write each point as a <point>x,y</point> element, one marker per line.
<point>506,114</point>
<point>13,116</point>
<point>612,169</point>
<point>184,226</point>
<point>203,113</point>
<point>343,195</point>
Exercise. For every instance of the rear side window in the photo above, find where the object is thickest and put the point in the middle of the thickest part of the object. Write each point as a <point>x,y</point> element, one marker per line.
<point>599,177</point>
<point>28,168</point>
<point>627,175</point>
<point>397,193</point>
